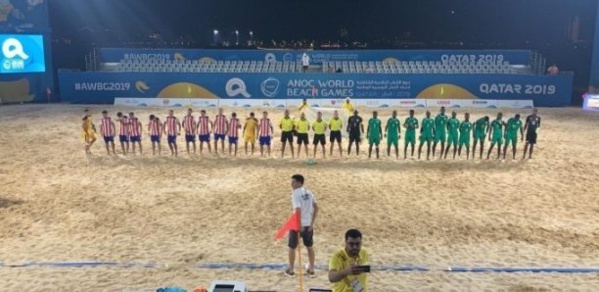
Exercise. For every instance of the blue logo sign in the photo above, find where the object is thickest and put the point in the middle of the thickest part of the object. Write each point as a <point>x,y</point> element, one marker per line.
<point>270,87</point>
<point>22,54</point>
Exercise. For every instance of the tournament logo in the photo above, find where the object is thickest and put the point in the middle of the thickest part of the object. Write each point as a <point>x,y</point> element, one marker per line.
<point>270,57</point>
<point>270,87</point>
<point>235,87</point>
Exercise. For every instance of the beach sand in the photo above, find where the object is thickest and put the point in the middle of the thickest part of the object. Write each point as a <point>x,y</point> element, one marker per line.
<point>59,204</point>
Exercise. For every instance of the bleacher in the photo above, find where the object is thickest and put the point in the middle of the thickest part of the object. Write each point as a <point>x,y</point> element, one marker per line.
<point>351,67</point>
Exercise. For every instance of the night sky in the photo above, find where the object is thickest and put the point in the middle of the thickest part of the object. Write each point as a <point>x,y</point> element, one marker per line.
<point>437,20</point>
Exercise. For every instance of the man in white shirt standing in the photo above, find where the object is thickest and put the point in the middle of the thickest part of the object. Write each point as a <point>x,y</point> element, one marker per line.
<point>303,201</point>
<point>305,62</point>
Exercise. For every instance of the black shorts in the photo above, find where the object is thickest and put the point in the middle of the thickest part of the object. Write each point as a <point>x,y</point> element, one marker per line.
<point>302,138</point>
<point>335,136</point>
<point>307,238</point>
<point>287,137</point>
<point>319,138</point>
<point>354,137</point>
<point>531,138</point>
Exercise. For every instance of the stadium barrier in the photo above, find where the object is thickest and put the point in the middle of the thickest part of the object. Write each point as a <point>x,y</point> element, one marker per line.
<point>323,103</point>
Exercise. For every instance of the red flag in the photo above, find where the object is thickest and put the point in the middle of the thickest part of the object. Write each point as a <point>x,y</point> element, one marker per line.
<point>291,224</point>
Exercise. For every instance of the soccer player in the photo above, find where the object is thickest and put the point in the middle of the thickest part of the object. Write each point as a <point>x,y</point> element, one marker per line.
<point>411,124</point>
<point>335,125</point>
<point>89,131</point>
<point>465,132</point>
<point>374,132</point>
<point>266,130</point>
<point>189,125</point>
<point>302,126</point>
<point>250,132</point>
<point>123,132</point>
<point>427,133</point>
<point>511,134</point>
<point>355,128</point>
<point>287,125</point>
<point>155,129</point>
<point>496,135</point>
<point>393,131</point>
<point>233,132</point>
<point>107,130</point>
<point>440,131</point>
<point>172,127</point>
<point>531,126</point>
<point>204,126</point>
<point>481,127</point>
<point>220,130</point>
<point>453,134</point>
<point>135,132</point>
<point>319,127</point>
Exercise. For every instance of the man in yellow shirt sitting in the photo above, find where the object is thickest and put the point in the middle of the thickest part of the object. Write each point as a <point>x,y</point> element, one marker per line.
<point>287,126</point>
<point>302,126</point>
<point>348,106</point>
<point>347,267</point>
<point>336,124</point>
<point>319,128</point>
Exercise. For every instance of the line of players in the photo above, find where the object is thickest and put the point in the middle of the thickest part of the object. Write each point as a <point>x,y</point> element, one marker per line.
<point>440,130</point>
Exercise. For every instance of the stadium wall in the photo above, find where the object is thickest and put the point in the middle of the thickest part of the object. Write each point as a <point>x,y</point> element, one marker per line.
<point>113,55</point>
<point>103,87</point>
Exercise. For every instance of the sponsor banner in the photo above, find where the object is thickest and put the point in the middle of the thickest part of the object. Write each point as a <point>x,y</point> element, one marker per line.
<point>249,103</point>
<point>377,103</point>
<point>591,102</point>
<point>483,103</point>
<point>203,102</point>
<point>317,102</point>
<point>412,103</point>
<point>448,103</point>
<point>102,87</point>
<point>318,57</point>
<point>524,104</point>
<point>152,102</point>
<point>22,54</point>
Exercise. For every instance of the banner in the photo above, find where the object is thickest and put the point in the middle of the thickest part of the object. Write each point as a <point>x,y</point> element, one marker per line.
<point>594,78</point>
<point>22,54</point>
<point>102,87</point>
<point>113,55</point>
<point>591,102</point>
<point>522,104</point>
<point>250,103</point>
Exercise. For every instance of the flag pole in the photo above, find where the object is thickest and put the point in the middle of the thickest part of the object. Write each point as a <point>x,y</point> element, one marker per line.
<point>299,256</point>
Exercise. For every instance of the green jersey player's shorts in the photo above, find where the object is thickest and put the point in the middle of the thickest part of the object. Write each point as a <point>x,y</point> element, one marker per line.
<point>440,136</point>
<point>513,139</point>
<point>392,139</point>
<point>410,137</point>
<point>465,140</point>
<point>480,136</point>
<point>426,137</point>
<point>374,139</point>
<point>497,138</point>
<point>452,139</point>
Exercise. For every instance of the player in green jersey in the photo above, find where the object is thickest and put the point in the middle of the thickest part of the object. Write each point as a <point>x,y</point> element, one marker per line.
<point>465,132</point>
<point>511,134</point>
<point>427,133</point>
<point>411,124</point>
<point>481,127</point>
<point>496,135</point>
<point>453,126</point>
<point>393,133</point>
<point>440,131</point>
<point>374,134</point>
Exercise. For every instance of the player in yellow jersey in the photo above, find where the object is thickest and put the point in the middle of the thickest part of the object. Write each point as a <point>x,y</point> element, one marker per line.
<point>319,128</point>
<point>287,126</point>
<point>250,132</point>
<point>336,124</point>
<point>348,106</point>
<point>89,131</point>
<point>302,126</point>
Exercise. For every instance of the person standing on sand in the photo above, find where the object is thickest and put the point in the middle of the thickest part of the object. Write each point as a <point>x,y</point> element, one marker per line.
<point>531,127</point>
<point>107,130</point>
<point>303,202</point>
<point>89,131</point>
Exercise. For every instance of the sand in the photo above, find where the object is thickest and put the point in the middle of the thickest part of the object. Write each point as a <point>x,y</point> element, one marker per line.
<point>58,204</point>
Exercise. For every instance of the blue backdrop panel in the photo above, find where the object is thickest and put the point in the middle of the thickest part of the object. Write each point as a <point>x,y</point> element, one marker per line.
<point>24,16</point>
<point>594,79</point>
<point>317,57</point>
<point>103,87</point>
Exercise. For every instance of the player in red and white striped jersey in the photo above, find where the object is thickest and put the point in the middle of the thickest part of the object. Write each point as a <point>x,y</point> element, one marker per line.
<point>189,125</point>
<point>233,132</point>
<point>123,132</point>
<point>135,132</point>
<point>204,126</point>
<point>107,130</point>
<point>220,130</point>
<point>265,133</point>
<point>172,127</point>
<point>155,129</point>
